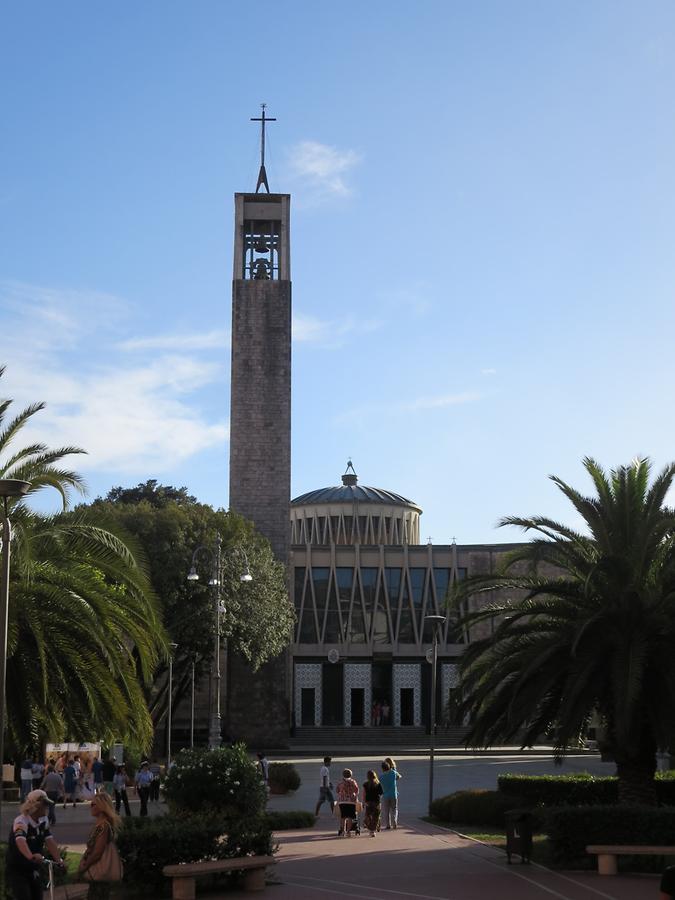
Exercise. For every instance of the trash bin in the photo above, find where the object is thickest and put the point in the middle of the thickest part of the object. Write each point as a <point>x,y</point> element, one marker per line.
<point>519,834</point>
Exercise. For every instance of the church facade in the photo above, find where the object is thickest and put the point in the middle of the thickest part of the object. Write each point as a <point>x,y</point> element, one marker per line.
<point>362,585</point>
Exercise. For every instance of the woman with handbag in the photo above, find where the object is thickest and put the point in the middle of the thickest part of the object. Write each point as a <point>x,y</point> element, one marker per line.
<point>101,864</point>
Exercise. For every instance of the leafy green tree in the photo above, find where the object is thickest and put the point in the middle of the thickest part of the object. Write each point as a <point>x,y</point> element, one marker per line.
<point>170,525</point>
<point>84,633</point>
<point>594,629</point>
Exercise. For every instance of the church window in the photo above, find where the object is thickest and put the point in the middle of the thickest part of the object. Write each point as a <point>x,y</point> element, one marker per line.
<point>344,577</point>
<point>406,632</point>
<point>417,579</point>
<point>332,629</point>
<point>307,627</point>
<point>369,585</point>
<point>320,583</point>
<point>381,630</point>
<point>362,529</point>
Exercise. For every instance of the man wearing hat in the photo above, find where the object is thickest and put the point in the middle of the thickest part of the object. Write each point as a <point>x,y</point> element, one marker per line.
<point>25,848</point>
<point>143,780</point>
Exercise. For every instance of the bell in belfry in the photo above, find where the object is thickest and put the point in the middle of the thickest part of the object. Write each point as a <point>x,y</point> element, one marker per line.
<point>261,270</point>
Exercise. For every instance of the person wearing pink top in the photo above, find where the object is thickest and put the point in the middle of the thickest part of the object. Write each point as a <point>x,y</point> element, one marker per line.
<point>347,795</point>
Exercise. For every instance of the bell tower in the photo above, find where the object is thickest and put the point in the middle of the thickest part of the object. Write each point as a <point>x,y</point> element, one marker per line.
<point>260,426</point>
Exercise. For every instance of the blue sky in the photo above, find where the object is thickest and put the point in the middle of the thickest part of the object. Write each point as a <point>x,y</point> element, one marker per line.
<point>483,214</point>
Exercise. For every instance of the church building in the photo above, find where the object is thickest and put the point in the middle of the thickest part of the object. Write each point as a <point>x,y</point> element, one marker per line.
<point>362,585</point>
<point>360,580</point>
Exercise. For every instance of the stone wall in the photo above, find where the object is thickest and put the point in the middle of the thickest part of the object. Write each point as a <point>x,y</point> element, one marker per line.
<point>260,414</point>
<point>260,482</point>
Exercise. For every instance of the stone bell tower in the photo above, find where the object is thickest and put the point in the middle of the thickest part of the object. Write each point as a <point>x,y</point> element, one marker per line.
<point>260,427</point>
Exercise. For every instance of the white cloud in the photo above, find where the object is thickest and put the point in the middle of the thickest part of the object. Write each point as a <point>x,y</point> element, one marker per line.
<point>488,372</point>
<point>328,333</point>
<point>417,299</point>
<point>439,401</point>
<point>130,419</point>
<point>319,171</point>
<point>216,339</point>
<point>46,318</point>
<point>143,416</point>
<point>371,412</point>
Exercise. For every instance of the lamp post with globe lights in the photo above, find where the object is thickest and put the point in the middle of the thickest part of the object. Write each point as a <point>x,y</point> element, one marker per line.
<point>215,556</point>
<point>435,622</point>
<point>169,717</point>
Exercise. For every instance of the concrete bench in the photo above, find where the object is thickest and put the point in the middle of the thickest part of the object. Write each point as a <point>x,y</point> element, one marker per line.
<point>184,875</point>
<point>607,854</point>
<point>71,891</point>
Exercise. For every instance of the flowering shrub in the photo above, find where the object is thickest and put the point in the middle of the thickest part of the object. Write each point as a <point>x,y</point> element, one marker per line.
<point>222,783</point>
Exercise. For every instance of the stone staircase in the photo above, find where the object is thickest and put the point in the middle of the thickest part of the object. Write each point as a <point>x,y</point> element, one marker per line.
<point>384,736</point>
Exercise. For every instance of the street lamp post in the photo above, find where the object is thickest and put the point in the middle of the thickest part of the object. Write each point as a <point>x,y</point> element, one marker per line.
<point>172,648</point>
<point>216,556</point>
<point>192,707</point>
<point>9,488</point>
<point>435,622</point>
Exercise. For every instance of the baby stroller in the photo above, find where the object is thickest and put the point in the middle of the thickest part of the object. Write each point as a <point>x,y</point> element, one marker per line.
<point>349,819</point>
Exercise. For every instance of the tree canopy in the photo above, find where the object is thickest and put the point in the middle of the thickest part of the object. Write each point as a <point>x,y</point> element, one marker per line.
<point>592,632</point>
<point>170,525</point>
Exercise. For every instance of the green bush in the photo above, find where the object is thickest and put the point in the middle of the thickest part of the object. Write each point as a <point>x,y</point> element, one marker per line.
<point>665,788</point>
<point>581,789</point>
<point>285,820</point>
<point>555,790</point>
<point>223,784</point>
<point>570,829</point>
<point>475,807</point>
<point>283,777</point>
<point>147,845</point>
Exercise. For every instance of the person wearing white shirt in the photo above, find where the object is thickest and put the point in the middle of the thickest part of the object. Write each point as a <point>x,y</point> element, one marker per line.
<point>325,786</point>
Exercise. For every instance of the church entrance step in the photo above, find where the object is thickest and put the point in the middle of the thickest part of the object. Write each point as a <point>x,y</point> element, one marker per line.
<point>391,736</point>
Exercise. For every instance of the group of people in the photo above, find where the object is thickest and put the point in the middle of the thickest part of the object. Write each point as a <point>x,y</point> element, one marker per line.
<point>380,713</point>
<point>31,836</point>
<point>65,781</point>
<point>375,800</point>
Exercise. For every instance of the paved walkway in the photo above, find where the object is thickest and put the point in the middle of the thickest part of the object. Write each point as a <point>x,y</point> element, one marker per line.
<point>420,862</point>
<point>415,862</point>
<point>458,772</point>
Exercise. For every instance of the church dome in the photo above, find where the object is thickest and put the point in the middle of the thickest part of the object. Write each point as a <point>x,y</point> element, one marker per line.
<point>346,493</point>
<point>351,513</point>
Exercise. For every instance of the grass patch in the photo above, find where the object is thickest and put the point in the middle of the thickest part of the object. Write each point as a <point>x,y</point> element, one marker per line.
<point>72,862</point>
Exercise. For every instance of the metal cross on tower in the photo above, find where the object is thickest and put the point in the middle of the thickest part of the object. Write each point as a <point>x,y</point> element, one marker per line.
<point>262,175</point>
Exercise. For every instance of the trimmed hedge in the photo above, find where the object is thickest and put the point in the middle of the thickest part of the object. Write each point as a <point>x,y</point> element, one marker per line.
<point>581,789</point>
<point>283,777</point>
<point>570,829</point>
<point>279,820</point>
<point>148,844</point>
<point>474,807</point>
<point>556,790</point>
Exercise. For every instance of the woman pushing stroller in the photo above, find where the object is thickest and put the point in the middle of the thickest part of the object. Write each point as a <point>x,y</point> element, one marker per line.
<point>347,797</point>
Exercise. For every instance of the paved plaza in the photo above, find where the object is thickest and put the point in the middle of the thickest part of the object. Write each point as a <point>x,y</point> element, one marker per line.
<point>417,861</point>
<point>421,862</point>
<point>455,772</point>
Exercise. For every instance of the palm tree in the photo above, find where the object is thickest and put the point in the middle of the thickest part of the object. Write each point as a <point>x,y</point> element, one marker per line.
<point>36,462</point>
<point>591,628</point>
<point>84,632</point>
